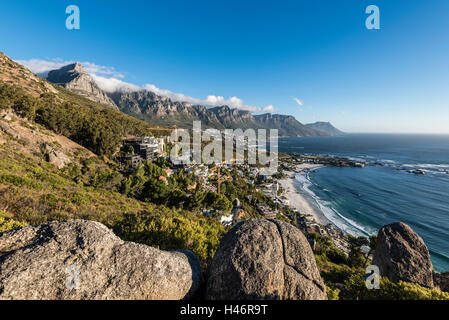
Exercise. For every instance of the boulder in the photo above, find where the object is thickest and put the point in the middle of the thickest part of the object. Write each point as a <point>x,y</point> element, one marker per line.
<point>264,259</point>
<point>57,158</point>
<point>6,128</point>
<point>84,260</point>
<point>401,254</point>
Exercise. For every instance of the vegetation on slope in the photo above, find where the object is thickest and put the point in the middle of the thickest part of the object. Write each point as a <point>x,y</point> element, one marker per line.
<point>96,127</point>
<point>35,192</point>
<point>344,275</point>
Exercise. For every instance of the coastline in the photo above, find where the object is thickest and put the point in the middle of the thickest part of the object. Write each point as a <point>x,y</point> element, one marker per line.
<point>306,207</point>
<point>298,201</point>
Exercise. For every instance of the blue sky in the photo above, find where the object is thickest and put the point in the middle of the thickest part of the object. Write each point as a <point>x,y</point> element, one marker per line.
<point>266,53</point>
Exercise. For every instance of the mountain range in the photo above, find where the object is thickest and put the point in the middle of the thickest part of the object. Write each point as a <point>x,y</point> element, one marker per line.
<point>161,110</point>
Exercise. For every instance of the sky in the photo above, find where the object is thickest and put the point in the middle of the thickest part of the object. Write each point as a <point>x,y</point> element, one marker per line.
<point>315,60</point>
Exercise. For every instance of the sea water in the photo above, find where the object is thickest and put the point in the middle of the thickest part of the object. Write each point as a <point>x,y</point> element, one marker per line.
<point>361,200</point>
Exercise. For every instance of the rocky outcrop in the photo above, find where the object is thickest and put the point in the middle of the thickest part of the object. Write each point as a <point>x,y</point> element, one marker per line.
<point>264,259</point>
<point>441,280</point>
<point>401,254</point>
<point>84,260</point>
<point>56,157</point>
<point>75,78</point>
<point>6,128</point>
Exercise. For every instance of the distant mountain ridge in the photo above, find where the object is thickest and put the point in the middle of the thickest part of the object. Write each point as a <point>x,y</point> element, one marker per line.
<point>325,127</point>
<point>163,111</point>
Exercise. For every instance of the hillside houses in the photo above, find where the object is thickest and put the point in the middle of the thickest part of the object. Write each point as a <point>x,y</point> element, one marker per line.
<point>140,149</point>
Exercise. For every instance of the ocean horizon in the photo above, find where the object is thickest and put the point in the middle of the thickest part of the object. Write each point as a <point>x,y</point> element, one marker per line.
<point>361,200</point>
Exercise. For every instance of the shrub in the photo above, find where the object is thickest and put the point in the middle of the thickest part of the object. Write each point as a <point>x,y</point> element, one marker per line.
<point>332,294</point>
<point>19,181</point>
<point>173,232</point>
<point>355,289</point>
<point>9,224</point>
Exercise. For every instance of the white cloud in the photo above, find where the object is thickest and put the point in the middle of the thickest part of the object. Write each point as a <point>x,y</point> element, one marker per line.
<point>93,68</point>
<point>113,84</point>
<point>210,100</point>
<point>299,102</point>
<point>108,79</point>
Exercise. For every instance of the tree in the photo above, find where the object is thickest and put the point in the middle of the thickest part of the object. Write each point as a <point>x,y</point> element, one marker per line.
<point>356,257</point>
<point>196,199</point>
<point>222,203</point>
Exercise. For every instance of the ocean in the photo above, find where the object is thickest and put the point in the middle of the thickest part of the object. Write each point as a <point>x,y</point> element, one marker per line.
<point>361,200</point>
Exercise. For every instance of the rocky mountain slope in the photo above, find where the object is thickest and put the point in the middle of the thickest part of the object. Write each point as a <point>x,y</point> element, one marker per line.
<point>325,127</point>
<point>163,111</point>
<point>97,127</point>
<point>12,73</point>
<point>75,78</point>
<point>35,141</point>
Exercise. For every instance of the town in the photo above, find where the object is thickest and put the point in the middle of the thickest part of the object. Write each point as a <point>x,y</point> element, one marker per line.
<point>259,195</point>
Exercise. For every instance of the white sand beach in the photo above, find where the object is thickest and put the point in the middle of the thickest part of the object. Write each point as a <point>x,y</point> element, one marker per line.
<point>297,201</point>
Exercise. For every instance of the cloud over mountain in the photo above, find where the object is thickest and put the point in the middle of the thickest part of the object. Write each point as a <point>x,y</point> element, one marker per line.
<point>109,80</point>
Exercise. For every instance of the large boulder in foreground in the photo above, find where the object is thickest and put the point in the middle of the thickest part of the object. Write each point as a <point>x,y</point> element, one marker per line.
<point>84,260</point>
<point>401,254</point>
<point>264,259</point>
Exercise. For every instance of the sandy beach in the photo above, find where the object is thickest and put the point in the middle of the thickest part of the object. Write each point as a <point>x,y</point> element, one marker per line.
<point>296,200</point>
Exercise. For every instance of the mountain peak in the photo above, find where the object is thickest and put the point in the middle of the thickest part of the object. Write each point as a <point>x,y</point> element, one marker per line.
<point>74,77</point>
<point>77,67</point>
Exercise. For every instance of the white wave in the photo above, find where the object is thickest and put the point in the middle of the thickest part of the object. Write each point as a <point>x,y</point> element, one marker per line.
<point>340,221</point>
<point>388,161</point>
<point>428,166</point>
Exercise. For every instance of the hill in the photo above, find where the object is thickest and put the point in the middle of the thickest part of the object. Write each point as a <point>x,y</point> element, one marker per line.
<point>97,127</point>
<point>326,127</point>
